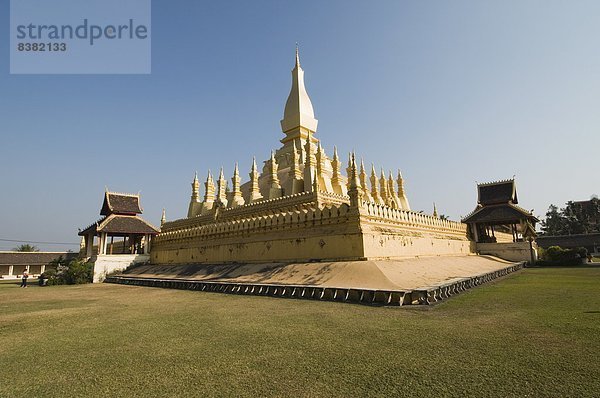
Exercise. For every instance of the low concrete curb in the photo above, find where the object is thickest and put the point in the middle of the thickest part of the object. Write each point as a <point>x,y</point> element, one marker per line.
<point>423,296</point>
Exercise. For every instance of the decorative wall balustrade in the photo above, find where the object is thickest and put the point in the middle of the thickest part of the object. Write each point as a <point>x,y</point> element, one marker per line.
<point>381,213</point>
<point>302,210</point>
<point>303,218</point>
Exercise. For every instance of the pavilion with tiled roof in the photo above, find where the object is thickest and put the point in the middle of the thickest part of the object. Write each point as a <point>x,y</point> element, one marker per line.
<point>120,219</point>
<point>497,210</point>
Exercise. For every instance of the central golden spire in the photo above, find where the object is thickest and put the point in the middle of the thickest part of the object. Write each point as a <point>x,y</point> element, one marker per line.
<point>297,56</point>
<point>298,114</point>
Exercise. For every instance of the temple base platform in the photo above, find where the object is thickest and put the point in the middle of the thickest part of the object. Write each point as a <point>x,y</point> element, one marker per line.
<point>410,281</point>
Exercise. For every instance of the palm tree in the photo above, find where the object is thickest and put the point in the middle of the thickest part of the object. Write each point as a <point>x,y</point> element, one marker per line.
<point>26,247</point>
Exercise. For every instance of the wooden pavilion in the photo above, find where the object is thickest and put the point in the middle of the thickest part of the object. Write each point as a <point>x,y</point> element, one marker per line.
<point>497,211</point>
<point>120,220</point>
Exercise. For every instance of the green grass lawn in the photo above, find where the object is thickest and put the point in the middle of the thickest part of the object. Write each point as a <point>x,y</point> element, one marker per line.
<point>533,334</point>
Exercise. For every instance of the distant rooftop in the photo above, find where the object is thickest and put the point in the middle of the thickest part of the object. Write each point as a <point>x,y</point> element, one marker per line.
<point>33,258</point>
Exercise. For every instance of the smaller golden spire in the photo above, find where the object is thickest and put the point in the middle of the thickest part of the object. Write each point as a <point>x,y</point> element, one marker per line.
<point>195,188</point>
<point>401,193</point>
<point>255,194</point>
<point>336,176</point>
<point>375,186</point>
<point>209,188</point>
<point>222,188</point>
<point>354,189</point>
<point>235,198</point>
<point>363,182</point>
<point>384,189</point>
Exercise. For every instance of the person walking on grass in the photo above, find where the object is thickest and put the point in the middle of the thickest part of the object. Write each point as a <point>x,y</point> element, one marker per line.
<point>24,277</point>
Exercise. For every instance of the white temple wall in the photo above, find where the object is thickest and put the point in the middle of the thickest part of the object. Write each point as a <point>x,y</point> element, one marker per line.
<point>513,251</point>
<point>108,264</point>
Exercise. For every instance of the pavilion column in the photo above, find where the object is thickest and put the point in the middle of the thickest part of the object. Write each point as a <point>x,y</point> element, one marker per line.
<point>10,270</point>
<point>532,252</point>
<point>99,243</point>
<point>89,245</point>
<point>146,244</point>
<point>105,243</point>
<point>475,232</point>
<point>42,269</point>
<point>102,243</point>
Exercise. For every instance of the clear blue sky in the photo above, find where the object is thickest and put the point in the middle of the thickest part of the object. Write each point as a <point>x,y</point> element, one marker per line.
<point>450,92</point>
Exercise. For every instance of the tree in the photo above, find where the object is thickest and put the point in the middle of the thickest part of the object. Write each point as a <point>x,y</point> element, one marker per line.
<point>71,272</point>
<point>554,223</point>
<point>574,218</point>
<point>26,247</point>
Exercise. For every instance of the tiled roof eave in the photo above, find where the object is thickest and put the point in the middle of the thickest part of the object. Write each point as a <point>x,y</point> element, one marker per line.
<point>473,217</point>
<point>105,225</point>
<point>525,212</point>
<point>91,228</point>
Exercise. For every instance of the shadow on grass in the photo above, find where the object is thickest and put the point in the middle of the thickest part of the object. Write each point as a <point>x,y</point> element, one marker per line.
<point>578,266</point>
